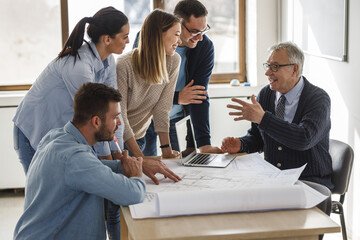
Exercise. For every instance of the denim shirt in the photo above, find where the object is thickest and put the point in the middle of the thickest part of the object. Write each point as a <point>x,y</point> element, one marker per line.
<point>49,102</point>
<point>177,110</point>
<point>66,186</point>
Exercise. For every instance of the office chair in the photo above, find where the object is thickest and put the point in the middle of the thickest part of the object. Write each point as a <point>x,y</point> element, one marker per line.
<point>324,206</point>
<point>342,160</point>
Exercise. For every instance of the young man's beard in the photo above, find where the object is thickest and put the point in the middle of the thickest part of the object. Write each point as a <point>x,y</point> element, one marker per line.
<point>104,135</point>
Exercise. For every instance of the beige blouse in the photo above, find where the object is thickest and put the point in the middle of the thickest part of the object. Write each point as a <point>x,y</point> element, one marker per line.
<point>141,100</point>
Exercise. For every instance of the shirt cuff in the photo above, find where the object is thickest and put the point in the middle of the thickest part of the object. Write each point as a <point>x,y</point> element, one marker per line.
<point>176,98</point>
<point>243,146</point>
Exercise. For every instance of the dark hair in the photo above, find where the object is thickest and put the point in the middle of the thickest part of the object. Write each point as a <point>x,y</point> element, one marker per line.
<point>92,99</point>
<point>107,21</point>
<point>186,8</point>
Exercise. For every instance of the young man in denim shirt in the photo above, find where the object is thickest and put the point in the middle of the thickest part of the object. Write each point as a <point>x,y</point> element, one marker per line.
<point>67,183</point>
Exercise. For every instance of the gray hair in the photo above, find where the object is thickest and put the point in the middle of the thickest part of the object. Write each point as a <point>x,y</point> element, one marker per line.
<point>296,55</point>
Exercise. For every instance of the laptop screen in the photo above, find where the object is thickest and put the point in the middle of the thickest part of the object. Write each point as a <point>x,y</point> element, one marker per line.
<point>188,153</point>
<point>182,135</point>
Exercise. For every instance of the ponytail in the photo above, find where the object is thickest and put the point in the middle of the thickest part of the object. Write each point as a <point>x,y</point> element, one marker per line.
<point>107,21</point>
<point>75,40</point>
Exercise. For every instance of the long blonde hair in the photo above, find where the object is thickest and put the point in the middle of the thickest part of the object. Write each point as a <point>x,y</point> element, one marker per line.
<point>149,59</point>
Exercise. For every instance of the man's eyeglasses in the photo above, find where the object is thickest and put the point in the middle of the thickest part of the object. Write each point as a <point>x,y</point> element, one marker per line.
<point>275,67</point>
<point>195,33</point>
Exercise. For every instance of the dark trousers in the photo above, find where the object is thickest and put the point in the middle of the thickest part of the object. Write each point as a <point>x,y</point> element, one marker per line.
<point>150,148</point>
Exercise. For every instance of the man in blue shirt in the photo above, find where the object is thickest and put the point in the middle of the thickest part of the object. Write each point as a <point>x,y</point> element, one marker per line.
<point>291,132</point>
<point>197,62</point>
<point>66,182</point>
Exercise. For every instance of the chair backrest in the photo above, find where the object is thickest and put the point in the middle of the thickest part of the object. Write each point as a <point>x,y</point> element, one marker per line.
<point>342,160</point>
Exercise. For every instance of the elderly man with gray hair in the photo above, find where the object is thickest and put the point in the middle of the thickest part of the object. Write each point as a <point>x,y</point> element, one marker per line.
<point>290,118</point>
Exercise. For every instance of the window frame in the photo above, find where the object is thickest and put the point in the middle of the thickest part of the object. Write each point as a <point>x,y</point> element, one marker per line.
<point>215,78</point>
<point>241,75</point>
<point>64,35</point>
<point>226,77</point>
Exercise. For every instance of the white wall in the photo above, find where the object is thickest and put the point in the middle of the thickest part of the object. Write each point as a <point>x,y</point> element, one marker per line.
<point>342,83</point>
<point>261,33</point>
<point>11,171</point>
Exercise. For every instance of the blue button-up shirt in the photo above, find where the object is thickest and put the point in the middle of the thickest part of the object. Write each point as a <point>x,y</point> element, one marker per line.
<point>49,102</point>
<point>177,109</point>
<point>292,100</point>
<point>66,186</point>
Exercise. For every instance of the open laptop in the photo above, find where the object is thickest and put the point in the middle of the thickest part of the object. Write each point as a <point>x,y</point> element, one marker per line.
<point>189,155</point>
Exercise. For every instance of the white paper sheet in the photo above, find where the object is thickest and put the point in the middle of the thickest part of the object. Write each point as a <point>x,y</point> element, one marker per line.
<point>230,200</point>
<point>248,184</point>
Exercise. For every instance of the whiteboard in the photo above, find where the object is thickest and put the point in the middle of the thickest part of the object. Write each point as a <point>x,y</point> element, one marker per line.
<point>320,27</point>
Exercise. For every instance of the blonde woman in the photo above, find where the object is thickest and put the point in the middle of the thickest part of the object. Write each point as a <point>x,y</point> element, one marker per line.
<point>146,78</point>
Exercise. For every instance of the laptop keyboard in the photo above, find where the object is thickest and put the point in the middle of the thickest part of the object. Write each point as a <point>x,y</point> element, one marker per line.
<point>201,159</point>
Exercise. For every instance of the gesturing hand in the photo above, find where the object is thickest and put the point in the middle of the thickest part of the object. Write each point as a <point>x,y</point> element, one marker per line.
<point>247,111</point>
<point>131,166</point>
<point>231,145</point>
<point>192,94</point>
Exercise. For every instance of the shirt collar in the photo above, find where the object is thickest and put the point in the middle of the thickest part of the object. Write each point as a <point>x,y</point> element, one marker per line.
<point>71,129</point>
<point>100,64</point>
<point>293,93</point>
<point>181,50</point>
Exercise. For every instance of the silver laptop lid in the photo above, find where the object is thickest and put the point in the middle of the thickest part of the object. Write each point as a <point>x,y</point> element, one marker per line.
<point>181,133</point>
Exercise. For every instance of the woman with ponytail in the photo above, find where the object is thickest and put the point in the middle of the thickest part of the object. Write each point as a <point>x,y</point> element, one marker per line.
<point>49,102</point>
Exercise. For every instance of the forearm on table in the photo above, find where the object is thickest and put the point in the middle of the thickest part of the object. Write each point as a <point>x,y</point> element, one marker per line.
<point>134,147</point>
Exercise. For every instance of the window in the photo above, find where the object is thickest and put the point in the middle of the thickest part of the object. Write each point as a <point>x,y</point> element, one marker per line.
<point>227,20</point>
<point>30,40</point>
<point>135,10</point>
<point>35,37</point>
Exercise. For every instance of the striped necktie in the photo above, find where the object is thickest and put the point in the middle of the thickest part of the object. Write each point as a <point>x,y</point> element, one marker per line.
<point>280,107</point>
